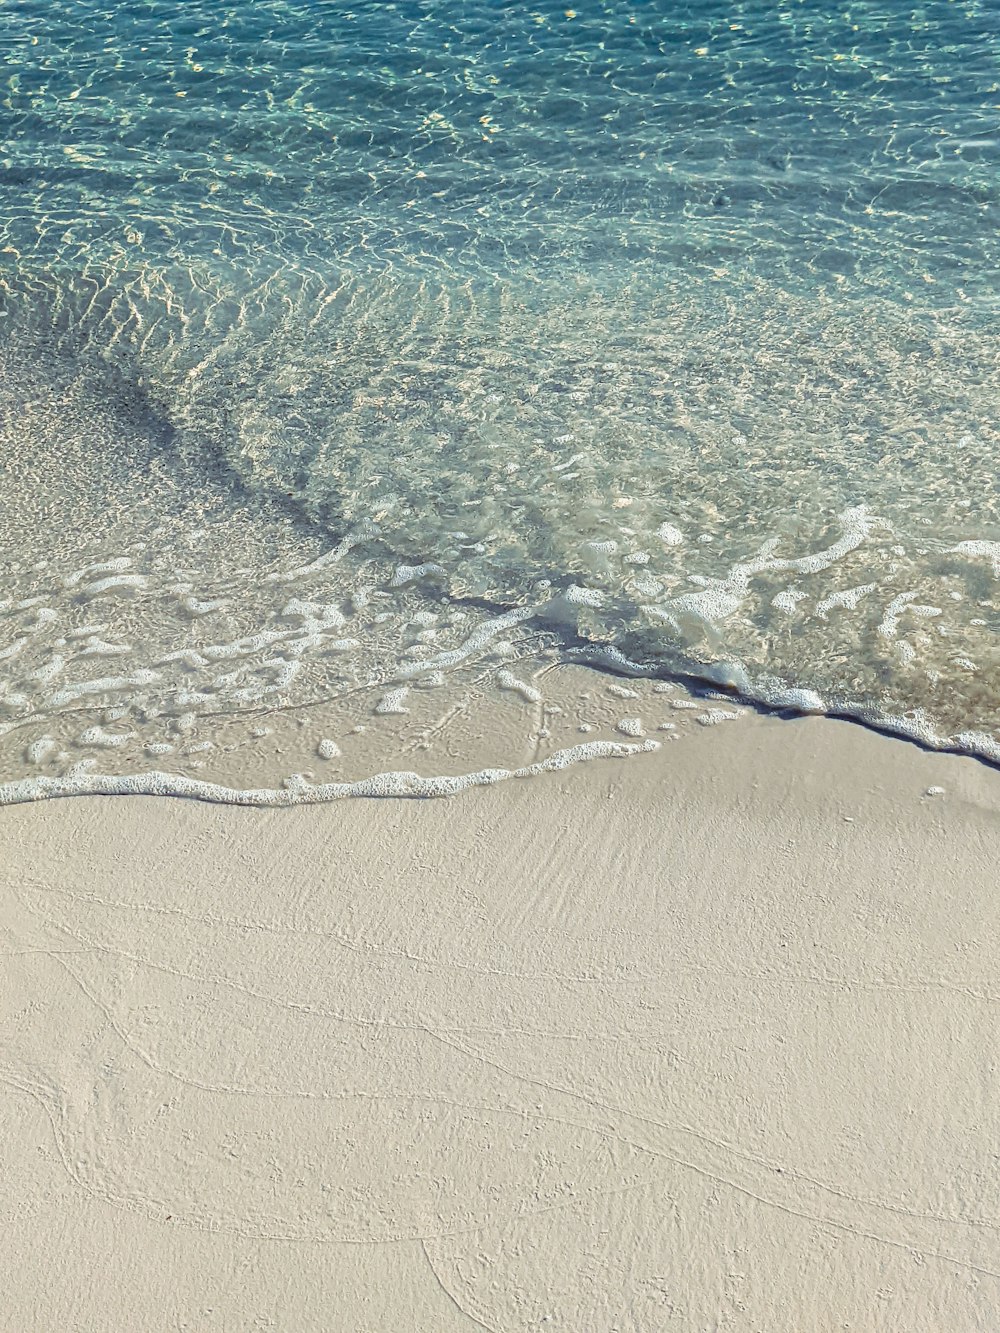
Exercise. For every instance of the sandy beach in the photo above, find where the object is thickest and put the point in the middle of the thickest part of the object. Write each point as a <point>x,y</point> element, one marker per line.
<point>702,1038</point>
<point>499,668</point>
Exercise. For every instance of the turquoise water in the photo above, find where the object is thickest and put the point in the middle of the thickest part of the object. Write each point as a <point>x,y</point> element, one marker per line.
<point>344,349</point>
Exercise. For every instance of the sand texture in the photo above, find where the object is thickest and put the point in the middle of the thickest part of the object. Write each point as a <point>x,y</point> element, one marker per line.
<point>699,1039</point>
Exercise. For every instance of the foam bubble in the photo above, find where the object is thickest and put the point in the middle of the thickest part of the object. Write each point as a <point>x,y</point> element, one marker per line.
<point>507,681</point>
<point>105,685</point>
<point>41,749</point>
<point>105,740</point>
<point>413,573</point>
<point>788,600</point>
<point>716,715</point>
<point>95,647</point>
<point>12,649</point>
<point>322,563</point>
<point>487,631</point>
<point>393,701</point>
<point>980,550</point>
<point>848,598</point>
<point>113,583</point>
<point>114,566</point>
<point>889,624</point>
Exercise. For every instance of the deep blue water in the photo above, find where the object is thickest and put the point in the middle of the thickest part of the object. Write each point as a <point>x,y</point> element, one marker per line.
<point>801,143</point>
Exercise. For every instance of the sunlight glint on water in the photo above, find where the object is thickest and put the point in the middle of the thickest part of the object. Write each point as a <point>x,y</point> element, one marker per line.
<point>348,351</point>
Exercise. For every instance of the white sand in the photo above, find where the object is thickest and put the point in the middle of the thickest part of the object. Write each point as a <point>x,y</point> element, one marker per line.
<point>704,1039</point>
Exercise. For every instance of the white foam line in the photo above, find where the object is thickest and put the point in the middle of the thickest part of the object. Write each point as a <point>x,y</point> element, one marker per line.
<point>980,549</point>
<point>774,693</point>
<point>508,681</point>
<point>323,562</point>
<point>106,685</point>
<point>412,573</point>
<point>300,792</point>
<point>394,701</point>
<point>114,566</point>
<point>722,598</point>
<point>481,636</point>
<point>847,598</point>
<point>12,649</point>
<point>114,581</point>
<point>893,612</point>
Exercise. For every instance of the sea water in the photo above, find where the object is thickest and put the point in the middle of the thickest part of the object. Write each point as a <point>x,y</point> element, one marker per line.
<point>354,353</point>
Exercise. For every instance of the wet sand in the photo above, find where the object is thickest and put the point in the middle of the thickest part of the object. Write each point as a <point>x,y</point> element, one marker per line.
<point>698,1038</point>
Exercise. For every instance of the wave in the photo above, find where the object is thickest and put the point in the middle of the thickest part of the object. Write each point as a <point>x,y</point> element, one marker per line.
<point>233,489</point>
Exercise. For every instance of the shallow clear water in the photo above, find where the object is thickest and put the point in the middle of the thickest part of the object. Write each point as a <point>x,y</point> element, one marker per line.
<point>353,351</point>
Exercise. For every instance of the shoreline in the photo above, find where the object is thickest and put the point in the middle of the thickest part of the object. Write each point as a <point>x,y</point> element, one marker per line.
<point>704,1035</point>
<point>560,715</point>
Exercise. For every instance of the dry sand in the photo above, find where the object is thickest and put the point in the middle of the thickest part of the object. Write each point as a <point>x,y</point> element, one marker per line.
<point>702,1039</point>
